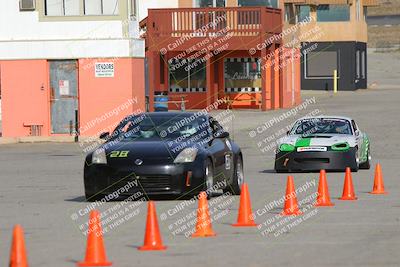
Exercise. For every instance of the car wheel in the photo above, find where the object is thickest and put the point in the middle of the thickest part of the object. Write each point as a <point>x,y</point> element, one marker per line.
<point>367,164</point>
<point>238,178</point>
<point>356,159</point>
<point>209,177</point>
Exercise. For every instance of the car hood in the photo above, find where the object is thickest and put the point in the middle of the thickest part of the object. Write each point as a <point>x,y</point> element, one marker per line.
<point>150,152</point>
<point>317,140</point>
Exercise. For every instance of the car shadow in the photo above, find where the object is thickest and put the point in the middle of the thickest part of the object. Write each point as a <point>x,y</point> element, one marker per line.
<point>158,198</point>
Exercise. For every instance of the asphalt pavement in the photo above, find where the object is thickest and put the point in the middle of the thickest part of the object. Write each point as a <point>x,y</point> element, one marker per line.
<point>42,189</point>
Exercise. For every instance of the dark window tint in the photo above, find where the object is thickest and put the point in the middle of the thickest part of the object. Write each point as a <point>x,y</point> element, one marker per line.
<point>333,13</point>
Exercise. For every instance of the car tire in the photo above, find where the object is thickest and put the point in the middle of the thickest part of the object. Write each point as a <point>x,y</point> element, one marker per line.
<point>235,188</point>
<point>366,165</point>
<point>208,177</point>
<point>356,165</point>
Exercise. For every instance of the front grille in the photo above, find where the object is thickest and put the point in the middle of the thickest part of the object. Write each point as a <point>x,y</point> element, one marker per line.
<point>144,182</point>
<point>312,160</point>
<point>155,182</point>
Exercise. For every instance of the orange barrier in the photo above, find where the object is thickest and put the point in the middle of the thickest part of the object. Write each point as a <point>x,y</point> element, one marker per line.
<point>203,225</point>
<point>152,237</point>
<point>323,199</point>
<point>18,252</point>
<point>95,250</point>
<point>245,216</point>
<point>291,207</point>
<point>379,187</point>
<point>348,189</point>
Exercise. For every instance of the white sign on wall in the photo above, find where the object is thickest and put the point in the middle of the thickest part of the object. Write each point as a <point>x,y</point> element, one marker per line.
<point>64,87</point>
<point>104,69</point>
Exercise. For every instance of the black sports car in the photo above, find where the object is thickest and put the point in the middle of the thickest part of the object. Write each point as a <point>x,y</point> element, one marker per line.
<point>164,153</point>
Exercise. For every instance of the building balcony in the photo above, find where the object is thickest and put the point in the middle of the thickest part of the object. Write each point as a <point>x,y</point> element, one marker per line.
<point>181,29</point>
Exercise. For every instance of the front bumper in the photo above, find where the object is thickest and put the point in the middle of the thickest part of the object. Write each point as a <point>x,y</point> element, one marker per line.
<point>315,161</point>
<point>169,179</point>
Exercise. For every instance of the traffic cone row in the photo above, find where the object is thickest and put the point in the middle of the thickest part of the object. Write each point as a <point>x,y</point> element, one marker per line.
<point>323,198</point>
<point>95,249</point>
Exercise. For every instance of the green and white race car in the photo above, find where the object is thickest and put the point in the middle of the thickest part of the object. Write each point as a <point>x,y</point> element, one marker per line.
<point>324,142</point>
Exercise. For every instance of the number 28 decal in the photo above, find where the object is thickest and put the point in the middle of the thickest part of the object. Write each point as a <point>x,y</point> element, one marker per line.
<point>119,154</point>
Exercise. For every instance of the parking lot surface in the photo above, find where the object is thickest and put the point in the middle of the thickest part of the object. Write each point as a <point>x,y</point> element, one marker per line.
<point>42,189</point>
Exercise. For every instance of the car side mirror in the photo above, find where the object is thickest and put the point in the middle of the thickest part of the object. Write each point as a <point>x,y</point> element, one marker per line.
<point>357,133</point>
<point>287,133</point>
<point>223,135</point>
<point>104,135</point>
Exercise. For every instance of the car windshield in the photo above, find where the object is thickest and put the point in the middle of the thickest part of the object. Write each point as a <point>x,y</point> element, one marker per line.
<point>153,127</point>
<point>322,126</point>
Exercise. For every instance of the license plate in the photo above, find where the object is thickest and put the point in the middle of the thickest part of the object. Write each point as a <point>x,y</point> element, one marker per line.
<point>311,148</point>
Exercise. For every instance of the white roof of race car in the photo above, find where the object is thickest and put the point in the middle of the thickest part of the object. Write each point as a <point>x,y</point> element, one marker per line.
<point>326,117</point>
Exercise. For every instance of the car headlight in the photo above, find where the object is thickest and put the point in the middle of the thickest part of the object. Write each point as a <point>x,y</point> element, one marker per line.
<point>341,146</point>
<point>187,155</point>
<point>286,147</point>
<point>99,156</point>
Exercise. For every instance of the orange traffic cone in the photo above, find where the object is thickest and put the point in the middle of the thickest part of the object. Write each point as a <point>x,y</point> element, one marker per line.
<point>348,189</point>
<point>323,198</point>
<point>18,252</point>
<point>379,187</point>
<point>95,251</point>
<point>245,217</point>
<point>291,207</point>
<point>203,225</point>
<point>152,237</point>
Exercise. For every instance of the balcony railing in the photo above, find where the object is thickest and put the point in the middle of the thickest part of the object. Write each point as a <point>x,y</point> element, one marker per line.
<point>167,25</point>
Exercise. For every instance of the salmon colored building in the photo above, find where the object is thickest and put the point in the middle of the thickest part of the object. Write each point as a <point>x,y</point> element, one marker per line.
<point>80,66</point>
<point>70,66</point>
<point>209,50</point>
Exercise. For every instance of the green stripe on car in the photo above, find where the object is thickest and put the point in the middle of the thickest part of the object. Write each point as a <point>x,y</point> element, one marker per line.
<point>303,142</point>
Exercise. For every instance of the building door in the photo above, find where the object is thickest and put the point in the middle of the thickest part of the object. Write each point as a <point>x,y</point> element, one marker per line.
<point>63,96</point>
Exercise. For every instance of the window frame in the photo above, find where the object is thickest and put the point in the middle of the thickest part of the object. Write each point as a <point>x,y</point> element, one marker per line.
<point>241,5</point>
<point>102,8</point>
<point>319,7</point>
<point>214,3</point>
<point>123,14</point>
<point>63,9</point>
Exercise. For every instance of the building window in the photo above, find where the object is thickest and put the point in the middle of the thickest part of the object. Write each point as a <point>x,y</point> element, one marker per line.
<point>187,75</point>
<point>363,64</point>
<point>210,3</point>
<point>320,64</point>
<point>365,12</point>
<point>101,7</point>
<point>358,9</point>
<point>133,9</point>
<point>289,14</point>
<point>303,13</point>
<point>333,13</point>
<point>242,75</point>
<point>62,7</point>
<point>72,7</point>
<point>358,64</point>
<point>269,3</point>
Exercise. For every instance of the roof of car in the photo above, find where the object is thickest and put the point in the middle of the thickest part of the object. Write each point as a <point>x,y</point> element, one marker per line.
<point>327,117</point>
